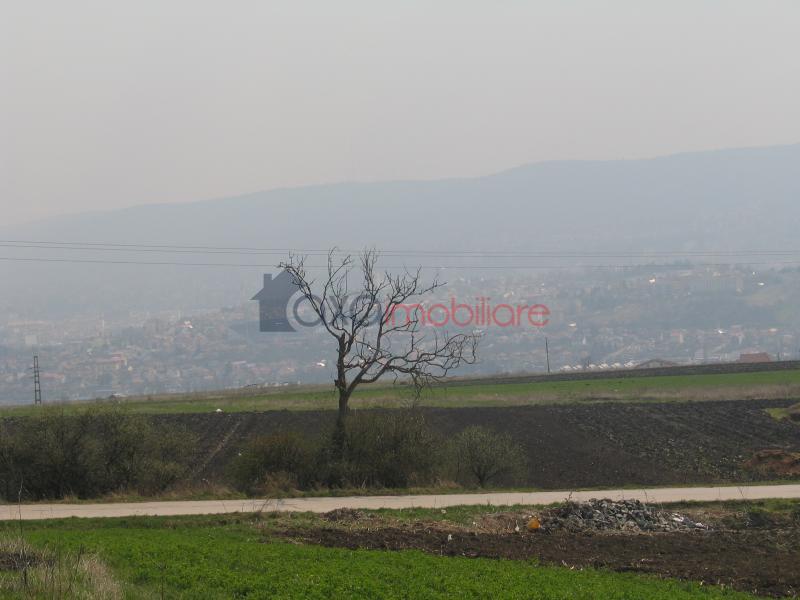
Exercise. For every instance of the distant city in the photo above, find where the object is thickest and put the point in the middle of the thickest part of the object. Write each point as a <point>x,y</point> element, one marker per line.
<point>600,319</point>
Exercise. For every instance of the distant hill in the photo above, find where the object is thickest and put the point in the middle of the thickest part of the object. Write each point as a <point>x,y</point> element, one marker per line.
<point>744,199</point>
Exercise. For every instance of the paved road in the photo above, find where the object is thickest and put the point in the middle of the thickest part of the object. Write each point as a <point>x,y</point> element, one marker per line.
<point>59,511</point>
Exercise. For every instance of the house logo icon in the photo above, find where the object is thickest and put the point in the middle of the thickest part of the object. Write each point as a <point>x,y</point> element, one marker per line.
<point>273,301</point>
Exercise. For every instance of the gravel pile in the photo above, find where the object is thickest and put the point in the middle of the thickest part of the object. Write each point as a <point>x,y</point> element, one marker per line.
<point>626,515</point>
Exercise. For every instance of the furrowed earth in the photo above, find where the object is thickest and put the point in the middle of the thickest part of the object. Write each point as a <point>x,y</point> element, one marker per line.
<point>570,445</point>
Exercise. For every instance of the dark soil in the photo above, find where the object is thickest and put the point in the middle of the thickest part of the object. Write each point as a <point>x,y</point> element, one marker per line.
<point>760,561</point>
<point>568,446</point>
<point>18,561</point>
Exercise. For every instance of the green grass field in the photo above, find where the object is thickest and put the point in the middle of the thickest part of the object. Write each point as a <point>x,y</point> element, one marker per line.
<point>770,384</point>
<point>214,557</point>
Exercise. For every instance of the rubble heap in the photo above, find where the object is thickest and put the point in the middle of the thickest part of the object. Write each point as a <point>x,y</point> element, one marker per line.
<point>625,515</point>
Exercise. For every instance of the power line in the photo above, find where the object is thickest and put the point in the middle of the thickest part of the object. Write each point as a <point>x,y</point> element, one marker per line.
<point>450,266</point>
<point>128,262</point>
<point>187,249</point>
<point>134,249</point>
<point>427,255</point>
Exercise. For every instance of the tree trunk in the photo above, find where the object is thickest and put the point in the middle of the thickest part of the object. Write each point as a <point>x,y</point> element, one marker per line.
<point>344,399</point>
<point>340,431</point>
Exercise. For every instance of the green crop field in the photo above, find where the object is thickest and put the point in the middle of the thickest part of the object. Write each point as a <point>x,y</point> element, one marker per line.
<point>214,557</point>
<point>769,384</point>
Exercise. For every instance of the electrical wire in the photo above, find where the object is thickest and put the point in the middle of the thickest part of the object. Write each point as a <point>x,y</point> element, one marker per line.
<point>426,267</point>
<point>482,254</point>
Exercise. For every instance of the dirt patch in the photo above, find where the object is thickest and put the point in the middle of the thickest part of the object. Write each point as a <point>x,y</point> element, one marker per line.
<point>13,560</point>
<point>344,515</point>
<point>777,462</point>
<point>764,562</point>
<point>503,522</point>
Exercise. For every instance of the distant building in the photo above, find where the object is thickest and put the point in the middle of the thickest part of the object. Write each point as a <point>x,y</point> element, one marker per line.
<point>656,363</point>
<point>755,357</point>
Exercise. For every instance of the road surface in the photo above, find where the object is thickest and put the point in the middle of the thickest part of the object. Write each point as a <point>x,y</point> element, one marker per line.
<point>320,505</point>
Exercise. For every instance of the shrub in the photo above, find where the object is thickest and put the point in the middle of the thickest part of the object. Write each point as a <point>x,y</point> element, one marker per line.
<point>387,449</point>
<point>794,514</point>
<point>758,517</point>
<point>100,450</point>
<point>484,456</point>
<point>277,461</point>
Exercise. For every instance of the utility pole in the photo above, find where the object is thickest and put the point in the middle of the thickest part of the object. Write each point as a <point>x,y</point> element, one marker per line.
<point>37,381</point>
<point>547,352</point>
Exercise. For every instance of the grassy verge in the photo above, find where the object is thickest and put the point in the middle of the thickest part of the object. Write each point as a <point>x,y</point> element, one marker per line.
<point>676,388</point>
<point>780,509</point>
<point>212,557</point>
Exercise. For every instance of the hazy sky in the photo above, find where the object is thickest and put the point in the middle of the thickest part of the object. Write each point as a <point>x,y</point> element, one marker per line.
<point>109,104</point>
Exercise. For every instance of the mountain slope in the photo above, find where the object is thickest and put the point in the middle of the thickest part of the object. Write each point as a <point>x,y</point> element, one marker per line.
<point>742,199</point>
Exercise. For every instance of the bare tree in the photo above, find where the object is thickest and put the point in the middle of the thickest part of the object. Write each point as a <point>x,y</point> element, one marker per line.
<point>379,326</point>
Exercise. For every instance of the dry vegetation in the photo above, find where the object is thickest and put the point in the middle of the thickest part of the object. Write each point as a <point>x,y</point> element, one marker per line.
<point>33,573</point>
